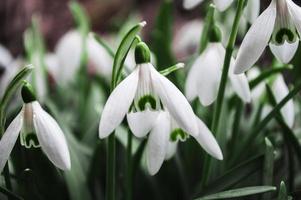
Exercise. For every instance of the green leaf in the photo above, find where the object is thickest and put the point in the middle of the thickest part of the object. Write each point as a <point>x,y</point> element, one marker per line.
<point>266,74</point>
<point>282,195</point>
<point>162,35</point>
<point>122,52</point>
<point>268,166</point>
<point>241,192</point>
<point>257,130</point>
<point>80,17</point>
<point>9,194</point>
<point>233,176</point>
<point>171,69</point>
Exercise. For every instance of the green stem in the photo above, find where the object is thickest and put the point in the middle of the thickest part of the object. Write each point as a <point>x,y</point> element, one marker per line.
<point>221,91</point>
<point>207,27</point>
<point>129,166</point>
<point>111,165</point>
<point>236,124</point>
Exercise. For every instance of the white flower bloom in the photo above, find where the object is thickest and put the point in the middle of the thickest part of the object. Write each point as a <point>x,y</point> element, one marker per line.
<point>36,128</point>
<point>279,26</point>
<point>280,90</point>
<point>252,10</point>
<point>165,135</point>
<point>259,90</point>
<point>187,38</point>
<point>204,77</point>
<point>68,51</point>
<point>145,88</point>
<point>220,4</point>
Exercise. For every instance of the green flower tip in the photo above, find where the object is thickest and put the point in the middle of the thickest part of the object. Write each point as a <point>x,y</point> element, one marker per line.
<point>142,53</point>
<point>27,93</point>
<point>215,34</point>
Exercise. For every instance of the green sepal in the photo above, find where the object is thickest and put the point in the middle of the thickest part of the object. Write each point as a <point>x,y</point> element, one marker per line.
<point>27,93</point>
<point>142,53</point>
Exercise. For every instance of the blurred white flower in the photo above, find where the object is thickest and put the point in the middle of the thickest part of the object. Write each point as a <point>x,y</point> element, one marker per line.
<point>220,4</point>
<point>280,90</point>
<point>252,10</point>
<point>187,38</point>
<point>69,50</point>
<point>204,77</point>
<point>259,90</point>
<point>279,26</point>
<point>36,128</point>
<point>8,68</point>
<point>164,137</point>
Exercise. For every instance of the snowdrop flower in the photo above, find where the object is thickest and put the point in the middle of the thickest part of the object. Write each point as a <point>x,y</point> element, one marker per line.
<point>252,10</point>
<point>280,90</point>
<point>8,68</point>
<point>36,128</point>
<point>187,38</point>
<point>145,91</point>
<point>279,26</point>
<point>204,76</point>
<point>69,50</point>
<point>165,135</point>
<point>220,4</point>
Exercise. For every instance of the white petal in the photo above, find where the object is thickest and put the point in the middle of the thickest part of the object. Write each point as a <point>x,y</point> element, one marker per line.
<point>240,85</point>
<point>252,10</point>
<point>5,57</point>
<point>222,4</point>
<point>52,64</point>
<point>118,104</point>
<point>207,73</point>
<point>99,57</point>
<point>191,84</point>
<point>259,90</point>
<point>256,40</point>
<point>9,139</point>
<point>190,4</point>
<point>174,101</point>
<point>280,90</point>
<point>51,138</point>
<point>285,52</point>
<point>157,143</point>
<point>68,51</point>
<point>171,149</point>
<point>295,12</point>
<point>141,123</point>
<point>207,141</point>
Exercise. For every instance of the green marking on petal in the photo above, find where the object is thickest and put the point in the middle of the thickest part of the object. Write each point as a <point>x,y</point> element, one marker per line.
<point>147,100</point>
<point>29,140</point>
<point>284,34</point>
<point>178,134</point>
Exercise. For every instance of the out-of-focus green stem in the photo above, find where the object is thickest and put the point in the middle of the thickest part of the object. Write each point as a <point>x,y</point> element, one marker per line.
<point>129,168</point>
<point>206,30</point>
<point>221,91</point>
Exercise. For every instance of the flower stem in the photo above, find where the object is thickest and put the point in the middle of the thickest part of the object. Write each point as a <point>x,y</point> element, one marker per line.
<point>129,168</point>
<point>208,25</point>
<point>221,91</point>
<point>111,165</point>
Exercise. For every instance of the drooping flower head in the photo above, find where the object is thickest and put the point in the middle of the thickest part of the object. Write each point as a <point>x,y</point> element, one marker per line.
<point>36,129</point>
<point>279,26</point>
<point>151,102</point>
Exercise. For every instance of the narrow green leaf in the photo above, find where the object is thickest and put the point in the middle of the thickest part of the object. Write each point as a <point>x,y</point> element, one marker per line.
<point>122,51</point>
<point>233,176</point>
<point>10,194</point>
<point>257,130</point>
<point>103,44</point>
<point>282,195</point>
<point>268,167</point>
<point>171,69</point>
<point>80,17</point>
<point>241,192</point>
<point>162,35</point>
<point>266,74</point>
